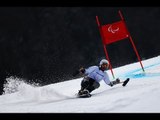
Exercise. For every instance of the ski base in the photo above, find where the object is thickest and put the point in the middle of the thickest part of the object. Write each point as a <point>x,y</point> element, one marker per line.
<point>84,96</point>
<point>125,82</point>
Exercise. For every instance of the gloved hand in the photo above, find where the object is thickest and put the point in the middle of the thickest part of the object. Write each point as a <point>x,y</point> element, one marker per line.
<point>118,80</point>
<point>115,82</point>
<point>82,70</point>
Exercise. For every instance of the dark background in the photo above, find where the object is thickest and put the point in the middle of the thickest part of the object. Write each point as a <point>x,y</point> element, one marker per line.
<point>47,44</point>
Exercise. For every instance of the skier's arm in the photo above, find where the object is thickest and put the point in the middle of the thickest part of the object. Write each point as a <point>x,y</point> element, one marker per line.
<point>111,83</point>
<point>107,81</point>
<point>84,71</point>
<point>114,82</point>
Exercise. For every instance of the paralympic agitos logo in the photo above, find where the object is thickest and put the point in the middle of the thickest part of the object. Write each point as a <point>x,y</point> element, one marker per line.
<point>110,29</point>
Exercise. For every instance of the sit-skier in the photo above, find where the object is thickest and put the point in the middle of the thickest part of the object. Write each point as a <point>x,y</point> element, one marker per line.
<point>93,75</point>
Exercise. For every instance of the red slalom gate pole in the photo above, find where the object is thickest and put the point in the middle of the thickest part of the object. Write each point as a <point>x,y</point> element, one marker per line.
<point>131,40</point>
<point>136,52</point>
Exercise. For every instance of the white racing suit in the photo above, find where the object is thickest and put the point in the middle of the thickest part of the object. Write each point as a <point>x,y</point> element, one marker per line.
<point>93,76</point>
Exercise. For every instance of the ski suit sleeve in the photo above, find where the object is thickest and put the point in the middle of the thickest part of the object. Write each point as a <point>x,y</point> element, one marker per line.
<point>107,81</point>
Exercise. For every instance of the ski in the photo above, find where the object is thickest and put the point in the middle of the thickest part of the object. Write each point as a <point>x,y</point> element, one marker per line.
<point>83,96</point>
<point>124,83</point>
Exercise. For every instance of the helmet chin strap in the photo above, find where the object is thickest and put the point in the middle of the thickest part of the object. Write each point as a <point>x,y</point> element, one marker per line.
<point>101,68</point>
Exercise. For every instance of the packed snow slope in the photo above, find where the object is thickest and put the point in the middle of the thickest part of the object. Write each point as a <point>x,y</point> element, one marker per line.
<point>141,95</point>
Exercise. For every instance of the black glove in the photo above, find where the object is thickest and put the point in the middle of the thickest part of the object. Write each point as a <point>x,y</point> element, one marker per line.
<point>82,70</point>
<point>118,80</point>
<point>111,84</point>
<point>115,82</point>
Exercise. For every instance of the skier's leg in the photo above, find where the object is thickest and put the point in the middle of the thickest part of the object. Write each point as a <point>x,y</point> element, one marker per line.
<point>84,84</point>
<point>94,86</point>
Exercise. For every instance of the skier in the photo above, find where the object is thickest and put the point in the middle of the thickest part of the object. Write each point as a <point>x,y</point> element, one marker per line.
<point>93,75</point>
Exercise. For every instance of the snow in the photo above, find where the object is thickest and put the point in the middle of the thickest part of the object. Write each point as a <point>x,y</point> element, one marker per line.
<point>140,95</point>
